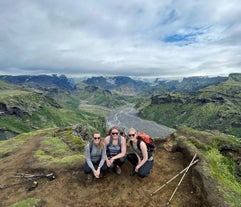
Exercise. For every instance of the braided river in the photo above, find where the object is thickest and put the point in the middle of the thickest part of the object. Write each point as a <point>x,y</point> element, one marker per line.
<point>126,117</point>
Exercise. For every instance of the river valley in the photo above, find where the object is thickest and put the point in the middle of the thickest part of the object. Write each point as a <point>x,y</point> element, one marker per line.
<point>126,117</point>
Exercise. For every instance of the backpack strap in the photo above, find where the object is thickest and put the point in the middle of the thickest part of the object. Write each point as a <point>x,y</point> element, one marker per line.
<point>139,140</point>
<point>139,143</point>
<point>91,146</point>
<point>111,140</point>
<point>119,140</point>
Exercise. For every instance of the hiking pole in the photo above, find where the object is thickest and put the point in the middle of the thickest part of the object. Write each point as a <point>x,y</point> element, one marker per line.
<point>169,201</point>
<point>50,176</point>
<point>33,185</point>
<point>172,178</point>
<point>30,179</point>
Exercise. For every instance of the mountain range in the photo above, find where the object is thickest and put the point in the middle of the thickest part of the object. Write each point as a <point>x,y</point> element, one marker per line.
<point>119,84</point>
<point>198,102</point>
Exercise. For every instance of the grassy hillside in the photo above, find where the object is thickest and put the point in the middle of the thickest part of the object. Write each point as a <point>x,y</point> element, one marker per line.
<point>97,96</point>
<point>25,110</point>
<point>220,157</point>
<point>54,148</point>
<point>215,108</point>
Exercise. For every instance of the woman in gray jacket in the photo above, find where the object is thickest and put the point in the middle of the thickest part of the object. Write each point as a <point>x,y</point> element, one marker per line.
<point>95,153</point>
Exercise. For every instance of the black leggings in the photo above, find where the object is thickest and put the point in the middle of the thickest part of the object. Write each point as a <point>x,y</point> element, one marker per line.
<point>119,162</point>
<point>145,169</point>
<point>87,169</point>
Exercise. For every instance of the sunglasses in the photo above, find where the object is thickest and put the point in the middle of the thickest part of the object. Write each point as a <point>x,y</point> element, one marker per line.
<point>131,135</point>
<point>95,138</point>
<point>115,133</point>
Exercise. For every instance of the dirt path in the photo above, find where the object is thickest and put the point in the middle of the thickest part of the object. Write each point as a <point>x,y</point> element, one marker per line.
<point>70,188</point>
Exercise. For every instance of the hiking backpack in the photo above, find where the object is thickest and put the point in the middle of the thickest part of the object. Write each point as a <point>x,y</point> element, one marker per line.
<point>148,140</point>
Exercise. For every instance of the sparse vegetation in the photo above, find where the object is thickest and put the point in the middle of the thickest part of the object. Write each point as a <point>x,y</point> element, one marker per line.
<point>29,202</point>
<point>217,166</point>
<point>94,109</point>
<point>54,150</point>
<point>10,145</point>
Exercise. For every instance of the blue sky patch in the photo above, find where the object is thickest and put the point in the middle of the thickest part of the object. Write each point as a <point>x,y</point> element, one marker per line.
<point>180,38</point>
<point>188,37</point>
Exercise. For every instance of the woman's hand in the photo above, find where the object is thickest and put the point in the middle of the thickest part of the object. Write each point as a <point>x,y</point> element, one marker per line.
<point>137,168</point>
<point>109,162</point>
<point>97,173</point>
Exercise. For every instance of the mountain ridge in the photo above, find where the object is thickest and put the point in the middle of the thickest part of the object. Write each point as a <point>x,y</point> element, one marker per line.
<point>215,107</point>
<point>45,81</point>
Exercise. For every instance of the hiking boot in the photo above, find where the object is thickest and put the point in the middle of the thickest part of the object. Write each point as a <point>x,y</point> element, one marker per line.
<point>118,170</point>
<point>133,172</point>
<point>101,175</point>
<point>89,177</point>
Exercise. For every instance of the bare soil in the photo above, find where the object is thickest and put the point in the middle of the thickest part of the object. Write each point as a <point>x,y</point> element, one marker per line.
<point>70,188</point>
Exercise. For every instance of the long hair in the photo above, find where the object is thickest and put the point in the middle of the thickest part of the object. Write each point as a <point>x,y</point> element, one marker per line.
<point>101,144</point>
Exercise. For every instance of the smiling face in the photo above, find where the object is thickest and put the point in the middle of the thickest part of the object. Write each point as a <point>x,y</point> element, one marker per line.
<point>96,138</point>
<point>115,133</point>
<point>132,134</point>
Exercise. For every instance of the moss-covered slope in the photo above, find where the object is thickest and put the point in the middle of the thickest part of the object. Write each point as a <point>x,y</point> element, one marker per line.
<point>217,176</point>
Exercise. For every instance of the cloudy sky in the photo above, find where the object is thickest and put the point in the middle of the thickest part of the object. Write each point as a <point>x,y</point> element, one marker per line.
<point>169,38</point>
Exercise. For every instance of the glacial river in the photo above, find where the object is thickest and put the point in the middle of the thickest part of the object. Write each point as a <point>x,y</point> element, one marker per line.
<point>126,118</point>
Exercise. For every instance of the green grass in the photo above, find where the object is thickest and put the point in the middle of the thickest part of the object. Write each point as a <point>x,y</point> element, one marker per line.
<point>47,160</point>
<point>54,150</point>
<point>29,202</point>
<point>93,109</point>
<point>15,124</point>
<point>6,94</point>
<point>54,146</point>
<point>222,169</point>
<point>75,140</point>
<point>10,145</point>
<point>168,114</point>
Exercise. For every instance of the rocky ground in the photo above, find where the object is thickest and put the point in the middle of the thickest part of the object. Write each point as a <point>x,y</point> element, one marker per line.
<point>71,189</point>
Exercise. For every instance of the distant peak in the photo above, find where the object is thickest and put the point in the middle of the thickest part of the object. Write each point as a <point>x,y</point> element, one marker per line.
<point>235,77</point>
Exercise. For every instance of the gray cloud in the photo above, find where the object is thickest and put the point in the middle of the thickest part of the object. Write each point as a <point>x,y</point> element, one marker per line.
<point>136,38</point>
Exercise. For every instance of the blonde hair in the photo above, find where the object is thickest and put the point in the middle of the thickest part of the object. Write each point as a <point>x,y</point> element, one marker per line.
<point>131,129</point>
<point>101,144</point>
